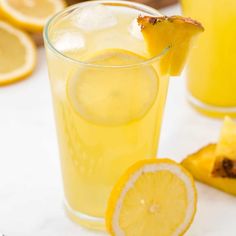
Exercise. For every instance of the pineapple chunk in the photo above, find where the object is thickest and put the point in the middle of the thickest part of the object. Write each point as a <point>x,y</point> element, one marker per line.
<point>175,32</point>
<point>225,156</point>
<point>200,165</point>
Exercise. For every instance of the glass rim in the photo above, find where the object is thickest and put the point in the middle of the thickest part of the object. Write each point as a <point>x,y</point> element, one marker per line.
<point>135,5</point>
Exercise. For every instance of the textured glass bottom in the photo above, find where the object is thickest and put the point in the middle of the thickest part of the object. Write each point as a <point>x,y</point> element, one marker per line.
<point>91,222</point>
<point>210,110</point>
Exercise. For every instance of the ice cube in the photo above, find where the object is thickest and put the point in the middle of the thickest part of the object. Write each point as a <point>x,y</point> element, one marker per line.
<point>135,29</point>
<point>69,41</point>
<point>95,17</point>
<point>59,89</point>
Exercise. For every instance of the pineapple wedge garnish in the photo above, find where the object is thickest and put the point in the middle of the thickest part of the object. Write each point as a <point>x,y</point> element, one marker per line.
<point>175,32</point>
<point>225,161</point>
<point>215,164</point>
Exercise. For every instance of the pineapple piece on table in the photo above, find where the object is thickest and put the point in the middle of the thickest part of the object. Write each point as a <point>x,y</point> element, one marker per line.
<point>200,165</point>
<point>225,162</point>
<point>215,164</point>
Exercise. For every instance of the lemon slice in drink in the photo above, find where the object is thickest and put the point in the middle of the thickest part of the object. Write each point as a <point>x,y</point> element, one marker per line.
<point>30,14</point>
<point>112,95</point>
<point>17,54</point>
<point>154,197</point>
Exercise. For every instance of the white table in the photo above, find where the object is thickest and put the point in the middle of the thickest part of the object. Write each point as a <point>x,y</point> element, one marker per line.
<point>30,181</point>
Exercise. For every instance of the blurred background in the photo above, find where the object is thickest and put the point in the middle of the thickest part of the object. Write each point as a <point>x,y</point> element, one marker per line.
<point>154,3</point>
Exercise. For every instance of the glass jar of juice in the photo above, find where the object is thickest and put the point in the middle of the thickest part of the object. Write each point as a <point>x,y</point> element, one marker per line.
<point>211,73</point>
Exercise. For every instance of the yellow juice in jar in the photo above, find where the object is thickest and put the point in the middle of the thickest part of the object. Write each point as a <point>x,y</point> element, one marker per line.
<point>211,73</point>
<point>108,111</point>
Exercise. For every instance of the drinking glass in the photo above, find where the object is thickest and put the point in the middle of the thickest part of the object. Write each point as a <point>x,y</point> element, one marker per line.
<point>108,97</point>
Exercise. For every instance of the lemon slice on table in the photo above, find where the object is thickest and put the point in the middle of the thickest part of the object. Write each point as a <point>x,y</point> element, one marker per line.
<point>176,32</point>
<point>17,54</point>
<point>30,15</point>
<point>154,197</point>
<point>111,95</point>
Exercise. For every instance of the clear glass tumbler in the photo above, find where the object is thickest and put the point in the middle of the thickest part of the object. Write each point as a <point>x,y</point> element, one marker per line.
<point>108,99</point>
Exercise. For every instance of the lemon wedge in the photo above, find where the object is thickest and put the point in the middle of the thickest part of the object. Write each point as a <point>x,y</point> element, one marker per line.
<point>30,15</point>
<point>154,197</point>
<point>176,32</point>
<point>17,54</point>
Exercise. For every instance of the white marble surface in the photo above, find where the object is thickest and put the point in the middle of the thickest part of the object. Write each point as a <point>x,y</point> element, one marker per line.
<point>30,181</point>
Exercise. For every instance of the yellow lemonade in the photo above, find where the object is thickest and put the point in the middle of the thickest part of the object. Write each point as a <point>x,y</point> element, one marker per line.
<point>108,99</point>
<point>211,74</point>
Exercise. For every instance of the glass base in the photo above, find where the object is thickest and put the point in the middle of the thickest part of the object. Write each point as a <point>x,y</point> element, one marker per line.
<point>210,110</point>
<point>90,222</point>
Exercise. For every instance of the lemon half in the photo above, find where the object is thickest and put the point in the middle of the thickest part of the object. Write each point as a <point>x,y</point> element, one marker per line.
<point>17,54</point>
<point>154,197</point>
<point>30,15</point>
